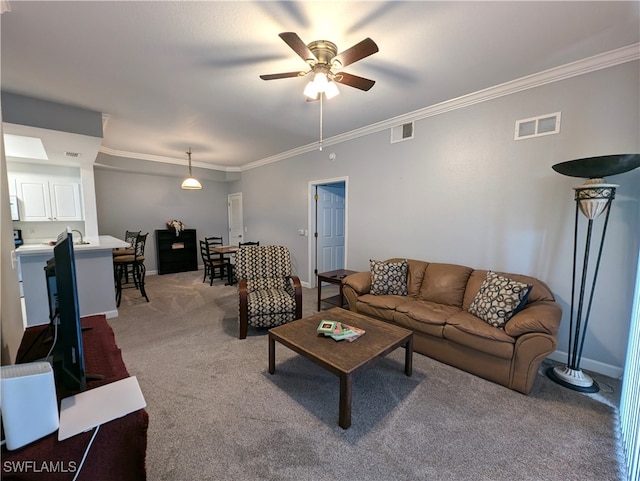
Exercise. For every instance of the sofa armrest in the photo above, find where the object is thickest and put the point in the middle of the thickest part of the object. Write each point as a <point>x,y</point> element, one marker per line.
<point>356,285</point>
<point>539,316</point>
<point>360,282</point>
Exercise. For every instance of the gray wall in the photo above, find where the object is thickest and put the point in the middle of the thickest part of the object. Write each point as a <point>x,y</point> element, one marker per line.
<point>133,201</point>
<point>21,110</point>
<point>462,191</point>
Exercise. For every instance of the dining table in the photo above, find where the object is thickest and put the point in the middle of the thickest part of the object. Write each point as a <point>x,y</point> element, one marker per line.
<point>222,251</point>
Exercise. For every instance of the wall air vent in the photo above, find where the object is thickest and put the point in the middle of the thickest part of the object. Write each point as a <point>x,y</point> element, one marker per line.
<point>402,132</point>
<point>73,155</point>
<point>537,126</point>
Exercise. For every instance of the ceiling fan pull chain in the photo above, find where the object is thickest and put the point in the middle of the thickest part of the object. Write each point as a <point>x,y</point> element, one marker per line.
<point>321,121</point>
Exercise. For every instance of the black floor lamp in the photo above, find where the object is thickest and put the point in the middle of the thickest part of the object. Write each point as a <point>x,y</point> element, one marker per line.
<point>593,198</point>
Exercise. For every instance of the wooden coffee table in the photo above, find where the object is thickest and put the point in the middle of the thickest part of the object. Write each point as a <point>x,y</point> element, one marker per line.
<point>342,358</point>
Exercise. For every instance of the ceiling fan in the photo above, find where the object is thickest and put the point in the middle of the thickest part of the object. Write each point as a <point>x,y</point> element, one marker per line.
<point>322,57</point>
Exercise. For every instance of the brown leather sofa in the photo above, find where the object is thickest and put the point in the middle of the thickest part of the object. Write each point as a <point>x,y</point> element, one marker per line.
<point>435,309</point>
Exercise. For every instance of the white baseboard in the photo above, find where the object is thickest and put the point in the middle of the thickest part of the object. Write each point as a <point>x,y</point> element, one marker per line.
<point>590,365</point>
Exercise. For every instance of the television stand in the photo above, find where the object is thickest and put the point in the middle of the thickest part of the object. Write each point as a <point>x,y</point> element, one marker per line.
<point>119,450</point>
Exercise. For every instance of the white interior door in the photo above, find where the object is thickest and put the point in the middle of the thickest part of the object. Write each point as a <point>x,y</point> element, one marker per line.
<point>236,224</point>
<point>330,221</point>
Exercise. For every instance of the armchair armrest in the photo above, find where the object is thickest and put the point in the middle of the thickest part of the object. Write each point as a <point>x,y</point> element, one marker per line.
<point>244,308</point>
<point>295,280</point>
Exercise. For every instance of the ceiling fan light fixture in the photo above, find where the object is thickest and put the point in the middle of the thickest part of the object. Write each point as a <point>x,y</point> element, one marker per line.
<point>190,183</point>
<point>331,90</point>
<point>311,90</point>
<point>320,79</point>
<point>321,84</point>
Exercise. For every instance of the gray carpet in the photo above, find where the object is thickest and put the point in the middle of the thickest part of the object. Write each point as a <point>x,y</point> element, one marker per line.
<point>217,414</point>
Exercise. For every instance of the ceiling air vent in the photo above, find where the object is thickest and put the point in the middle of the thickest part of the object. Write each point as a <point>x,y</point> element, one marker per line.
<point>537,126</point>
<point>73,155</point>
<point>402,132</point>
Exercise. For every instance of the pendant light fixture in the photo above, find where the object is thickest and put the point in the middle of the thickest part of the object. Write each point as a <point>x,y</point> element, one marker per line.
<point>190,183</point>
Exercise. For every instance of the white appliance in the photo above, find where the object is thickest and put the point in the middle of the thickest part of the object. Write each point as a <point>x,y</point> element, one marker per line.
<point>28,402</point>
<point>13,202</point>
<point>88,409</point>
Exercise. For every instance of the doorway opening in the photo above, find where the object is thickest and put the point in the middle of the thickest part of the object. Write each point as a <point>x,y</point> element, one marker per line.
<point>328,226</point>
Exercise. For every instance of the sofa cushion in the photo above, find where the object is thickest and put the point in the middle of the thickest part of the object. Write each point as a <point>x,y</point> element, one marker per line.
<point>416,325</point>
<point>388,278</point>
<point>415,274</point>
<point>427,311</point>
<point>498,299</point>
<point>445,283</point>
<point>473,332</point>
<point>381,307</point>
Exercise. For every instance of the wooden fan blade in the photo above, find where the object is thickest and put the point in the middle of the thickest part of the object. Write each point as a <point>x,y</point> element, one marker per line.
<point>357,52</point>
<point>297,45</point>
<point>354,81</point>
<point>274,76</point>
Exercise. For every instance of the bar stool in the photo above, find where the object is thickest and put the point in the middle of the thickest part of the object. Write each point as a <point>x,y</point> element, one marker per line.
<point>130,238</point>
<point>121,264</point>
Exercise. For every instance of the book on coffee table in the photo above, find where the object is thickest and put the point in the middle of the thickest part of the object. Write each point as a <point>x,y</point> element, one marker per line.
<point>356,330</point>
<point>328,327</point>
<point>338,331</point>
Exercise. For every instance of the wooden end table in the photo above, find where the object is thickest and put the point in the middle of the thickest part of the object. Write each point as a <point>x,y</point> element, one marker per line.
<point>342,358</point>
<point>332,277</point>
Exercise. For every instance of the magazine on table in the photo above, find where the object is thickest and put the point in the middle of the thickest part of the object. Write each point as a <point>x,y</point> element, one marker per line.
<point>338,331</point>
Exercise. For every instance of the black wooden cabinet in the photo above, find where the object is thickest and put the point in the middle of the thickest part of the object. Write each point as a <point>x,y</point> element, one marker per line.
<point>176,253</point>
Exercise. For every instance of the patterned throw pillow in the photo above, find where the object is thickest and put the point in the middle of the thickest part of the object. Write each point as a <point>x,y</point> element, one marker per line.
<point>388,278</point>
<point>498,299</point>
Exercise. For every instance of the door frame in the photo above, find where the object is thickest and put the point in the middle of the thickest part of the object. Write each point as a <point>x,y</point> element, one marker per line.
<point>229,221</point>
<point>311,216</point>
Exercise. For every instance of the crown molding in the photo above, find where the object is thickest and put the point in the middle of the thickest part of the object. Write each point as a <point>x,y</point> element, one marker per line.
<point>601,61</point>
<point>164,160</point>
<point>573,69</point>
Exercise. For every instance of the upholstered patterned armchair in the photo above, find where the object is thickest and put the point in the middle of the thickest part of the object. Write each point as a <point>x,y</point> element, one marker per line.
<point>268,294</point>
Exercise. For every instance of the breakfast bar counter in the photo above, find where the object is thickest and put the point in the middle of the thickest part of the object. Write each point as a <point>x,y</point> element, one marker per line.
<point>94,271</point>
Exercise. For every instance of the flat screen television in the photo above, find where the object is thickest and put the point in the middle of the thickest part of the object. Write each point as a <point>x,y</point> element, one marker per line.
<point>62,288</point>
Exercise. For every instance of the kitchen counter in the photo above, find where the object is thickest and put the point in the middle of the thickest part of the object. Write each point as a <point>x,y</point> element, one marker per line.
<point>94,273</point>
<point>94,243</point>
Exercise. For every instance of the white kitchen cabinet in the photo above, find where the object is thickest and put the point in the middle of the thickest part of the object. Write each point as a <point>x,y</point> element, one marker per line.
<point>44,201</point>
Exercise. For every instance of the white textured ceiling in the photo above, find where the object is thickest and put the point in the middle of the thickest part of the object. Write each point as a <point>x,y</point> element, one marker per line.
<point>173,75</point>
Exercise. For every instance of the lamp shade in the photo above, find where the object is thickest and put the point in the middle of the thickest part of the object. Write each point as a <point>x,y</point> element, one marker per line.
<point>191,183</point>
<point>598,167</point>
<point>594,196</point>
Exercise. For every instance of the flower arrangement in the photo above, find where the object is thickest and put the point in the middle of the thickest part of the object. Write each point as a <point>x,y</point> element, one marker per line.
<point>176,226</point>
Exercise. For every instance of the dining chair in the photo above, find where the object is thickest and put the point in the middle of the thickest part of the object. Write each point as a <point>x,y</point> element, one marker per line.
<point>248,243</point>
<point>212,262</point>
<point>135,261</point>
